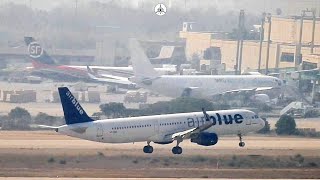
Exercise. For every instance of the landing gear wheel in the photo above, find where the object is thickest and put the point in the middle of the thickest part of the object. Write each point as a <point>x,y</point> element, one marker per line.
<point>148,149</point>
<point>176,150</point>
<point>242,144</point>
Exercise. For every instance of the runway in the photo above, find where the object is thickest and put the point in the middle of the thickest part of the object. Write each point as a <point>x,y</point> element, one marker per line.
<point>48,154</point>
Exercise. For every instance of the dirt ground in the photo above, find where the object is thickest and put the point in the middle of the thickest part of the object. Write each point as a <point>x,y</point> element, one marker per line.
<point>48,154</point>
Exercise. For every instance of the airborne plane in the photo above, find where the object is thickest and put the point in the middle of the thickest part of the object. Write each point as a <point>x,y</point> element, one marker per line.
<point>202,128</point>
<point>197,86</point>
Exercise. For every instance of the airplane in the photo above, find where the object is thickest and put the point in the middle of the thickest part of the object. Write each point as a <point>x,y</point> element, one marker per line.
<point>203,128</point>
<point>197,86</point>
<point>44,64</point>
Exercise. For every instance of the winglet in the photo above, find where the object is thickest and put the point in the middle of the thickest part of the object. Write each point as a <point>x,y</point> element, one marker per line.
<point>206,115</point>
<point>91,73</point>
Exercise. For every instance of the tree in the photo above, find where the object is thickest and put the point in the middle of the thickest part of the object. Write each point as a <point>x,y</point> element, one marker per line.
<point>113,109</point>
<point>179,105</point>
<point>18,118</point>
<point>286,125</point>
<point>45,119</point>
<point>266,128</point>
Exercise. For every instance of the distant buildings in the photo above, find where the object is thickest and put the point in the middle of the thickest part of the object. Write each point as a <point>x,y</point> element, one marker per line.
<point>215,48</point>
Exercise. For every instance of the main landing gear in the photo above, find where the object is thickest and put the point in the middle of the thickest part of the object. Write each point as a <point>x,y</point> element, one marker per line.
<point>148,149</point>
<point>177,149</point>
<point>241,143</point>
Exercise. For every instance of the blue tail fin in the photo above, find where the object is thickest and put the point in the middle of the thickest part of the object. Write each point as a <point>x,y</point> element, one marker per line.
<point>73,112</point>
<point>37,53</point>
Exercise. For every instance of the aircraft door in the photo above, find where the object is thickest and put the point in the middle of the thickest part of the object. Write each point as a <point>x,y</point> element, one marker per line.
<point>156,126</point>
<point>99,132</point>
<point>248,119</point>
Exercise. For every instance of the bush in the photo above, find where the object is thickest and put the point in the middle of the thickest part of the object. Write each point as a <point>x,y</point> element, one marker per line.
<point>298,158</point>
<point>63,161</point>
<point>286,125</point>
<point>18,119</point>
<point>312,164</point>
<point>51,160</point>
<point>266,128</point>
<point>45,119</point>
<point>311,114</point>
<point>198,159</point>
<point>100,154</point>
<point>179,105</point>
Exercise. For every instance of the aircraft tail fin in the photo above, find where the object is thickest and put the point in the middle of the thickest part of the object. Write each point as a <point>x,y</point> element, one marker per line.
<point>73,112</point>
<point>142,67</point>
<point>38,55</point>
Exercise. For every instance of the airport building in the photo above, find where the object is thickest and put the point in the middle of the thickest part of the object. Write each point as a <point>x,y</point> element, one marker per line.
<point>216,51</point>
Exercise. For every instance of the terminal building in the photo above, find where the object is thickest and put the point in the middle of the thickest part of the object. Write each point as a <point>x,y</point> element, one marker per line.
<point>215,50</point>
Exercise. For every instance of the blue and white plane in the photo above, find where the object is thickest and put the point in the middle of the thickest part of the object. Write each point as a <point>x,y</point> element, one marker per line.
<point>202,128</point>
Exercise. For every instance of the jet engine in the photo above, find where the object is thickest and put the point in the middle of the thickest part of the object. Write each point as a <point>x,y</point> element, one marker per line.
<point>205,139</point>
<point>260,98</point>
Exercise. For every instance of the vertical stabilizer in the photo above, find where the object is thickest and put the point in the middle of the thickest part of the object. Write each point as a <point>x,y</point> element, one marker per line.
<point>37,53</point>
<point>73,112</point>
<point>142,68</point>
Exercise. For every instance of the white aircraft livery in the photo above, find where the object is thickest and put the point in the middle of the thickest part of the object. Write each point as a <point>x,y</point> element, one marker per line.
<point>202,128</point>
<point>198,86</point>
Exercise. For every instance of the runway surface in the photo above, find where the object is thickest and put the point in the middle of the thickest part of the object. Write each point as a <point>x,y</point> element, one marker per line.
<point>49,154</point>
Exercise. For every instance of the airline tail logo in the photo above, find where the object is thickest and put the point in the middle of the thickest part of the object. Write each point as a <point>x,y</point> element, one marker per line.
<point>74,102</point>
<point>35,50</point>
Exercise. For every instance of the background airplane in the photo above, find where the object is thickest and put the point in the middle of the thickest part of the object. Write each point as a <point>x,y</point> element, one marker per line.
<point>202,128</point>
<point>45,65</point>
<point>198,86</point>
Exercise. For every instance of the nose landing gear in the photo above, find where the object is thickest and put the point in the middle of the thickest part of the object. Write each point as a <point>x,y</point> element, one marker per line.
<point>241,143</point>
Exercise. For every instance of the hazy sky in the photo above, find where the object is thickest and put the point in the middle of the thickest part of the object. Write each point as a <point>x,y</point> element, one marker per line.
<point>255,6</point>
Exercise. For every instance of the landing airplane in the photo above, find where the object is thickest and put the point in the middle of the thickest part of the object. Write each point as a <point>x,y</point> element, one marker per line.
<point>202,128</point>
<point>43,63</point>
<point>198,86</point>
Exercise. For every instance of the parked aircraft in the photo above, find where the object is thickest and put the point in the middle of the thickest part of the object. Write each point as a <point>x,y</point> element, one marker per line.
<point>203,128</point>
<point>198,86</point>
<point>43,63</point>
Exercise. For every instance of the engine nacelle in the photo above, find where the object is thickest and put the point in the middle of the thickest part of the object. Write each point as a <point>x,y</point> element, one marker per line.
<point>205,139</point>
<point>260,98</point>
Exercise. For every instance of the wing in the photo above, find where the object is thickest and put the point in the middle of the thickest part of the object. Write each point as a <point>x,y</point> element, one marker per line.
<point>186,134</point>
<point>246,91</point>
<point>108,78</point>
<point>197,91</point>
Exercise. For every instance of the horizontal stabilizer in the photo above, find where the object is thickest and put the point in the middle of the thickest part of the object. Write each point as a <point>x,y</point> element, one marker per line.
<point>48,127</point>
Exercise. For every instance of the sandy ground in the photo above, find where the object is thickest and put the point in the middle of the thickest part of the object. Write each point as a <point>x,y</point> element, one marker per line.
<point>27,154</point>
<point>44,92</point>
<point>227,145</point>
<point>43,178</point>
